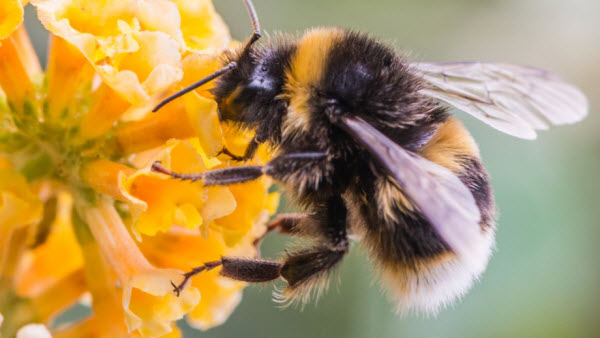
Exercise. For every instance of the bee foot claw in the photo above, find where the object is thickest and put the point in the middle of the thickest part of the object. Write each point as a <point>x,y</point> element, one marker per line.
<point>176,288</point>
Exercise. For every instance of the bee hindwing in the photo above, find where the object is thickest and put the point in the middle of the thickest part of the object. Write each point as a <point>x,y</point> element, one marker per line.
<point>438,193</point>
<point>516,100</point>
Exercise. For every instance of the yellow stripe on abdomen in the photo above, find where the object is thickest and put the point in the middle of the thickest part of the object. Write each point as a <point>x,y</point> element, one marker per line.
<point>450,145</point>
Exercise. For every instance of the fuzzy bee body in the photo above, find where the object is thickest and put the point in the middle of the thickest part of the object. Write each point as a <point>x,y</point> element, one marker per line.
<point>419,270</point>
<point>364,148</point>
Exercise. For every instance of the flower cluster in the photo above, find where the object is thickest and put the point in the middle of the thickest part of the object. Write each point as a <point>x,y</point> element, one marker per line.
<point>82,216</point>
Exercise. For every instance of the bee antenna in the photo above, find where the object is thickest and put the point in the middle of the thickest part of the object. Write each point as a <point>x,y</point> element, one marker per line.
<point>255,26</point>
<point>255,36</point>
<point>195,85</point>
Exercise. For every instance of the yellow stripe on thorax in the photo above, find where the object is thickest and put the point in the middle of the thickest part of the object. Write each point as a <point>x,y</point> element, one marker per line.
<point>306,71</point>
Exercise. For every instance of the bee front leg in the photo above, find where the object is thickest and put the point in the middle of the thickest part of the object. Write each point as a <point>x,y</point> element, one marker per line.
<point>248,153</point>
<point>226,151</point>
<point>232,175</point>
<point>223,176</point>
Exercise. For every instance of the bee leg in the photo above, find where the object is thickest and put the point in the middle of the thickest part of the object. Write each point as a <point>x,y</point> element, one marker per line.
<point>231,155</point>
<point>250,270</point>
<point>300,269</point>
<point>242,269</point>
<point>310,264</point>
<point>223,176</point>
<point>309,267</point>
<point>188,275</point>
<point>242,174</point>
<point>286,223</point>
<point>283,223</point>
<point>248,153</point>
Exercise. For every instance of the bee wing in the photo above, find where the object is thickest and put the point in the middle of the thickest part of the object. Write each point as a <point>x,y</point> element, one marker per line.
<point>514,99</point>
<point>439,194</point>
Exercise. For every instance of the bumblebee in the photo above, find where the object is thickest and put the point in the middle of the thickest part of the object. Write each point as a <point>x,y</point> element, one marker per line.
<point>366,146</point>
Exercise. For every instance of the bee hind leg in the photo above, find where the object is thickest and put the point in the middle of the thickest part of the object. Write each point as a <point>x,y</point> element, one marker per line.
<point>298,269</point>
<point>304,270</point>
<point>307,270</point>
<point>242,269</point>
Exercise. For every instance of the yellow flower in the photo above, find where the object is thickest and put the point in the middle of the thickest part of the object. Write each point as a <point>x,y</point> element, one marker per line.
<point>158,202</point>
<point>31,330</point>
<point>76,145</point>
<point>38,270</point>
<point>11,16</point>
<point>220,295</point>
<point>149,303</point>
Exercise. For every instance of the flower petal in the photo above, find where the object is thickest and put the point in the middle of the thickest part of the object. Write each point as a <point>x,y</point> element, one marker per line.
<point>135,62</point>
<point>39,271</point>
<point>184,250</point>
<point>108,314</point>
<point>68,74</point>
<point>19,206</point>
<point>11,16</point>
<point>194,115</point>
<point>91,326</point>
<point>19,68</point>
<point>106,108</point>
<point>149,303</point>
<point>253,204</point>
<point>62,295</point>
<point>103,176</point>
<point>199,105</point>
<point>154,130</point>
<point>221,297</point>
<point>203,29</point>
<point>158,202</point>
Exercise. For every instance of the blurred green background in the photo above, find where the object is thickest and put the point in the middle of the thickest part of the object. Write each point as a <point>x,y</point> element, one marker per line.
<point>544,277</point>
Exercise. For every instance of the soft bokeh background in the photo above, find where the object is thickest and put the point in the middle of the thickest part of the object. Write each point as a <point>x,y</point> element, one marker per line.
<point>544,278</point>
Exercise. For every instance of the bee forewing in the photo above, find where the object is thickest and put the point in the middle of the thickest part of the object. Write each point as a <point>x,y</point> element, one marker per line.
<point>439,194</point>
<point>516,100</point>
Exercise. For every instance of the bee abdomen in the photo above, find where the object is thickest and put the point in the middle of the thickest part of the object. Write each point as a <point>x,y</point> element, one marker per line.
<point>418,268</point>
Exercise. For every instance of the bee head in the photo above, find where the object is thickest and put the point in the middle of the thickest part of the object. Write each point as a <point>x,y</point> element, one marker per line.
<point>248,93</point>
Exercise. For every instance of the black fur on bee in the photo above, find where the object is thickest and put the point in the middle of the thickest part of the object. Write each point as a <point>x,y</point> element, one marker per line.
<point>292,94</point>
<point>364,148</point>
<point>258,79</point>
